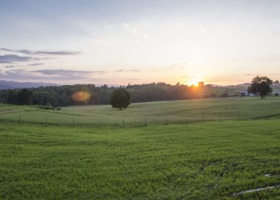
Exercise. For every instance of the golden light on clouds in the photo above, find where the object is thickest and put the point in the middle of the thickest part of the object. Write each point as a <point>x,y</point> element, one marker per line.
<point>81,96</point>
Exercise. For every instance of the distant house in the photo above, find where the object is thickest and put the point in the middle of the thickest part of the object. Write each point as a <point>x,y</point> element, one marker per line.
<point>243,93</point>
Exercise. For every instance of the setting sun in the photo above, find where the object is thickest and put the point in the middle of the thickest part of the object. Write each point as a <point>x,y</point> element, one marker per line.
<point>194,82</point>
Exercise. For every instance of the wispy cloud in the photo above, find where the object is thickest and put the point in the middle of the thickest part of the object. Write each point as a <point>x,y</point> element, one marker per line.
<point>261,74</point>
<point>11,58</point>
<point>65,73</point>
<point>189,77</point>
<point>61,73</point>
<point>28,52</point>
<point>10,66</point>
<point>35,64</point>
<point>49,74</point>
<point>56,52</point>
<point>251,74</point>
<point>123,70</point>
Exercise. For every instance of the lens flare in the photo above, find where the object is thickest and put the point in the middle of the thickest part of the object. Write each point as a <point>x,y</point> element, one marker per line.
<point>81,96</point>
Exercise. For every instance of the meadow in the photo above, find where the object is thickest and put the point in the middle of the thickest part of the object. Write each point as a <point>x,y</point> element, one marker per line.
<point>215,160</point>
<point>211,159</point>
<point>171,112</point>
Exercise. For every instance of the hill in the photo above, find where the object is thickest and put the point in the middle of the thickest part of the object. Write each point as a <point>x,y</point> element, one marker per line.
<point>162,112</point>
<point>4,85</point>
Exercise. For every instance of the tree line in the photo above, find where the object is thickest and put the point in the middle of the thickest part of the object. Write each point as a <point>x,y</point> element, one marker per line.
<point>90,94</point>
<point>58,96</point>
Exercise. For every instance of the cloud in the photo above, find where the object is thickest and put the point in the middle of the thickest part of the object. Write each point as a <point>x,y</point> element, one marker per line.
<point>98,72</point>
<point>61,72</point>
<point>123,70</point>
<point>251,74</point>
<point>11,58</point>
<point>260,74</point>
<point>273,74</point>
<point>57,52</point>
<point>28,52</point>
<point>35,64</point>
<point>10,66</point>
<point>189,77</point>
<point>49,75</point>
<point>65,73</point>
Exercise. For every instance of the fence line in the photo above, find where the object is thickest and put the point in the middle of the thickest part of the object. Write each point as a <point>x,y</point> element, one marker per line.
<point>126,123</point>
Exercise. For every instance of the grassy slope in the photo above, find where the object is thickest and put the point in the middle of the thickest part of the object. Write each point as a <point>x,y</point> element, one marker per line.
<point>198,161</point>
<point>155,112</point>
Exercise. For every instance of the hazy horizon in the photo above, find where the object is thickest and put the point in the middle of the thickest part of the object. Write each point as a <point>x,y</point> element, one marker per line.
<point>114,85</point>
<point>118,42</point>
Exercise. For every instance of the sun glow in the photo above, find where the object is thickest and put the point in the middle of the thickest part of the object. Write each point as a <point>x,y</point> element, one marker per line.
<point>193,82</point>
<point>195,75</point>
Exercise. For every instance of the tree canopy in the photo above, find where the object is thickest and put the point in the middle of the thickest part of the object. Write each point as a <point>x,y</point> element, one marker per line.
<point>90,94</point>
<point>260,85</point>
<point>120,98</point>
<point>24,97</point>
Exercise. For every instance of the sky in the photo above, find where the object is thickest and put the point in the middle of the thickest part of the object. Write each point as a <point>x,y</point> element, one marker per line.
<point>120,42</point>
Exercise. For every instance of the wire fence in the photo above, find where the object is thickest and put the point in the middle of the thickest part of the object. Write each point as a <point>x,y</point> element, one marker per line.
<point>76,122</point>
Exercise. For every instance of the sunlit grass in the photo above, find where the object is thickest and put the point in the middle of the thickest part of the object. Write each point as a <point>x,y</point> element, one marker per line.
<point>152,112</point>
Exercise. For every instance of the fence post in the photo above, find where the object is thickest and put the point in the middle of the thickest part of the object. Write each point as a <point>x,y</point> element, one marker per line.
<point>73,122</point>
<point>145,122</point>
<point>19,120</point>
<point>46,121</point>
<point>123,123</point>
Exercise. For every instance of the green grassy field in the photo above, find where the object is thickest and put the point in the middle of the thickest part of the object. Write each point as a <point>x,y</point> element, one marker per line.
<point>153,112</point>
<point>225,153</point>
<point>212,160</point>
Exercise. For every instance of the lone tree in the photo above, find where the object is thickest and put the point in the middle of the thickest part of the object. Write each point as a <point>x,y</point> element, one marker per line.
<point>120,98</point>
<point>260,85</point>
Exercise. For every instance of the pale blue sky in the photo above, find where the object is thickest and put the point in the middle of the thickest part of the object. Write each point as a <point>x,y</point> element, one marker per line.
<point>128,41</point>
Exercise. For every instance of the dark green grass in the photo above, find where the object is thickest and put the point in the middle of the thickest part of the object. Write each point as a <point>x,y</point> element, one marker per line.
<point>198,161</point>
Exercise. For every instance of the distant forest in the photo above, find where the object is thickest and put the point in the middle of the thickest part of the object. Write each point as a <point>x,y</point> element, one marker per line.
<point>58,96</point>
